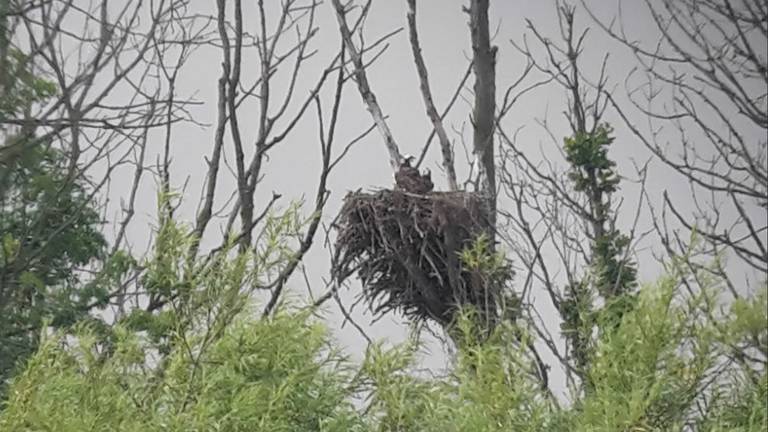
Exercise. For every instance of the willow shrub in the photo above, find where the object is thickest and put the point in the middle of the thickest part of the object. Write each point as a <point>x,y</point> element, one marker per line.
<point>268,375</point>
<point>676,364</point>
<point>205,362</point>
<point>201,361</point>
<point>284,374</point>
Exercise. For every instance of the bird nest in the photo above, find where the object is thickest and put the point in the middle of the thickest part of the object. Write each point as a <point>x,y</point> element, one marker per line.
<point>407,250</point>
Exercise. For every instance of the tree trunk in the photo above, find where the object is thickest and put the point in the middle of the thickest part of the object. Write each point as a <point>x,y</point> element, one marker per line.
<point>484,66</point>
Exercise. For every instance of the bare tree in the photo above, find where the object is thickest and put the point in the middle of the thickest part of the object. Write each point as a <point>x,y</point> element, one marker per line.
<point>117,52</point>
<point>80,102</point>
<point>483,64</point>
<point>557,220</point>
<point>89,55</point>
<point>118,78</point>
<point>426,92</point>
<point>413,279</point>
<point>282,59</point>
<point>703,86</point>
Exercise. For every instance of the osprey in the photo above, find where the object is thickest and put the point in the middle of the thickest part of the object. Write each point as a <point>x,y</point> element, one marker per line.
<point>409,178</point>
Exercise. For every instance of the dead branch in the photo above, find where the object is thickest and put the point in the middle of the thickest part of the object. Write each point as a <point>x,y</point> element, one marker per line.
<point>364,87</point>
<point>426,94</point>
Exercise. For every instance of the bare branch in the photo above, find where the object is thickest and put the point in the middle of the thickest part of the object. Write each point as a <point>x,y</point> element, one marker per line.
<point>364,87</point>
<point>426,94</point>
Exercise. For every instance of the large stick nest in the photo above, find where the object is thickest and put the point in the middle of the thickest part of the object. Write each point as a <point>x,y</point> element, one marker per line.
<point>406,249</point>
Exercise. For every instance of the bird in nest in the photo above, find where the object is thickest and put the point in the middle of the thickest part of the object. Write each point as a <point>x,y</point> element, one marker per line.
<point>409,179</point>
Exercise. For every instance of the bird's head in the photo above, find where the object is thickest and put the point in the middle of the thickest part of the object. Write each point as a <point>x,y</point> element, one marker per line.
<point>406,160</point>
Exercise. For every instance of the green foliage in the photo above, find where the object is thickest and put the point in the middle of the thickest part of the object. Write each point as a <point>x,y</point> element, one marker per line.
<point>663,361</point>
<point>21,88</point>
<point>661,368</point>
<point>197,358</point>
<point>479,256</point>
<point>611,275</point>
<point>613,272</point>
<point>49,231</point>
<point>201,361</point>
<point>638,376</point>
<point>748,324</point>
<point>258,375</point>
<point>578,320</point>
<point>587,152</point>
<point>48,221</point>
<point>492,265</point>
<point>49,224</point>
<point>594,174</point>
<point>490,389</point>
<point>742,408</point>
